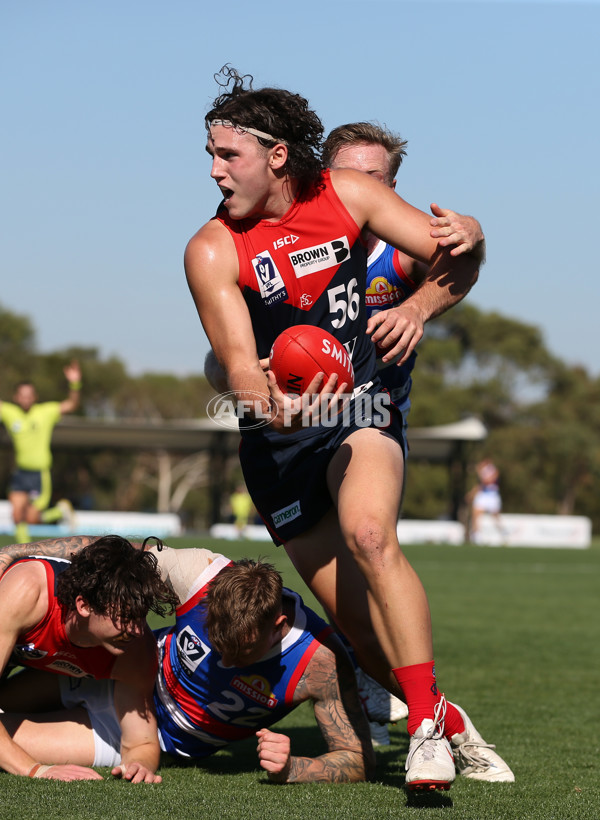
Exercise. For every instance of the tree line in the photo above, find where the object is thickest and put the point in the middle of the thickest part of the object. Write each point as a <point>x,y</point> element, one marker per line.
<point>543,418</point>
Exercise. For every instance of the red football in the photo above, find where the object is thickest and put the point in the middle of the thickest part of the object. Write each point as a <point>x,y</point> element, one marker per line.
<point>302,351</point>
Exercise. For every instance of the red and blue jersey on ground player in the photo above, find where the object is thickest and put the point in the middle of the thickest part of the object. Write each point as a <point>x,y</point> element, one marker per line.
<point>387,287</point>
<point>202,705</point>
<point>46,645</point>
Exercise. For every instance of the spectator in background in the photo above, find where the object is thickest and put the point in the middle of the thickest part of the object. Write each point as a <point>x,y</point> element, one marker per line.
<point>241,507</point>
<point>483,498</point>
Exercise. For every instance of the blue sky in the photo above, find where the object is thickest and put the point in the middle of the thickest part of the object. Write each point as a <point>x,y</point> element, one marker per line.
<point>104,176</point>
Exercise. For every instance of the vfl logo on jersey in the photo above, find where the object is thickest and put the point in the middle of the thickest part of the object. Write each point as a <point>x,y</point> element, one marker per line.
<point>320,257</point>
<point>270,281</point>
<point>190,649</point>
<point>27,652</point>
<point>256,688</point>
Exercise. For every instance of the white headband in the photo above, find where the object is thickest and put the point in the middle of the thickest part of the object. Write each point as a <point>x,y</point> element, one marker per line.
<point>255,132</point>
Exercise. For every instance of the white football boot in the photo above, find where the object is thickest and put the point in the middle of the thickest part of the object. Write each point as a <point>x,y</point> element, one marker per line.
<point>68,513</point>
<point>380,735</point>
<point>475,758</point>
<point>430,764</point>
<point>379,704</point>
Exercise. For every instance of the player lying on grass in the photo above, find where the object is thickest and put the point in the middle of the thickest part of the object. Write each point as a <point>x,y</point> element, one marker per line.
<point>244,652</point>
<point>227,670</point>
<point>69,621</point>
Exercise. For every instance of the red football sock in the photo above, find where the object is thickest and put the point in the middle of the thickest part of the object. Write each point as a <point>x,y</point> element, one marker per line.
<point>420,692</point>
<point>421,695</point>
<point>453,724</point>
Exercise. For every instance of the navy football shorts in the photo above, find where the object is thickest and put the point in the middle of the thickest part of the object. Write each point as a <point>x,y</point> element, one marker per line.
<point>287,475</point>
<point>26,481</point>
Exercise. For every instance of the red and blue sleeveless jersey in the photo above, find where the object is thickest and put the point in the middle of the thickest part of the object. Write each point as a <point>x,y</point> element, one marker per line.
<point>46,646</point>
<point>307,268</point>
<point>387,287</point>
<point>201,704</point>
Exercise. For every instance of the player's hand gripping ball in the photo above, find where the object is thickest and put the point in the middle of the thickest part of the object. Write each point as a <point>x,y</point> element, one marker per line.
<point>302,351</point>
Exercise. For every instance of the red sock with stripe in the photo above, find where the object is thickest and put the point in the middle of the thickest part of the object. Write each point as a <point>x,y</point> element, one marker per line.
<point>421,695</point>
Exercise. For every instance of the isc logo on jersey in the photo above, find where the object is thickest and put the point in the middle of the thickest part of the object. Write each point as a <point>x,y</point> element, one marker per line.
<point>290,239</point>
<point>270,281</point>
<point>320,257</point>
<point>190,649</point>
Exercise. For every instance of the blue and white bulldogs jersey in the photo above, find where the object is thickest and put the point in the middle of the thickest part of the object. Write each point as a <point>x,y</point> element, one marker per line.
<point>202,705</point>
<point>387,287</point>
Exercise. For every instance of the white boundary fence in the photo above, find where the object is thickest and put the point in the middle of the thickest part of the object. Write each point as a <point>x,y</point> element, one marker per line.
<point>91,522</point>
<point>560,531</point>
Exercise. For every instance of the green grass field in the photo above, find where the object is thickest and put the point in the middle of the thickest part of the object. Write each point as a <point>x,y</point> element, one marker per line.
<point>517,633</point>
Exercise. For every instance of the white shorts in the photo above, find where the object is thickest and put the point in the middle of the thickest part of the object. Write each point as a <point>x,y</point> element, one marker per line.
<point>489,502</point>
<point>97,698</point>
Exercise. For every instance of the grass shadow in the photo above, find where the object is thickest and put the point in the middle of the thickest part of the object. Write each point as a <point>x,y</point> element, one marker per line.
<point>240,757</point>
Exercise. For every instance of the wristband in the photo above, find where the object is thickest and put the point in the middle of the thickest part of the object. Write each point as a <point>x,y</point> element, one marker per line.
<point>38,770</point>
<point>75,385</point>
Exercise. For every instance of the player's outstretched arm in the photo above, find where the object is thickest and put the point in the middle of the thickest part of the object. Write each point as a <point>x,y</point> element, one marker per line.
<point>178,568</point>
<point>53,548</point>
<point>211,268</point>
<point>73,375</point>
<point>135,671</point>
<point>381,211</point>
<point>328,681</point>
<point>460,235</point>
<point>400,329</point>
<point>66,772</point>
<point>21,606</point>
<point>49,547</point>
<point>451,228</point>
<point>23,603</point>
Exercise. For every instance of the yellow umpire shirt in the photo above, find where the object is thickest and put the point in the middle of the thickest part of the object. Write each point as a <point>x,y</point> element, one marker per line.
<point>31,432</point>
